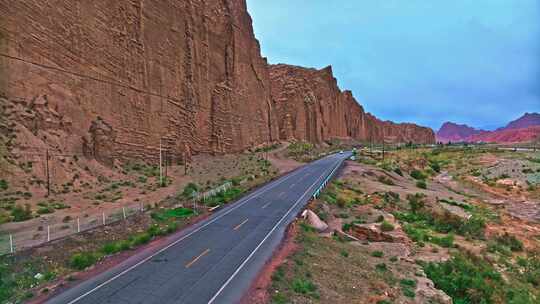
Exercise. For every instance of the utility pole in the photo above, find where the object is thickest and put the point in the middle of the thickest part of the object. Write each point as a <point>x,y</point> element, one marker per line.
<point>383,149</point>
<point>166,163</point>
<point>47,172</point>
<point>160,165</point>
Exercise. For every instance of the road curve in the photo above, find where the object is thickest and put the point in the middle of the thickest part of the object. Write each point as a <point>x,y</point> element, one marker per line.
<point>216,260</point>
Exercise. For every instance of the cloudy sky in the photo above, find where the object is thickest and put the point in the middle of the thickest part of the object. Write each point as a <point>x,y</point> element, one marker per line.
<point>468,61</point>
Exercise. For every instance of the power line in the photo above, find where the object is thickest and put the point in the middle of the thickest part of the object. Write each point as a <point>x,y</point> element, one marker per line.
<point>115,82</point>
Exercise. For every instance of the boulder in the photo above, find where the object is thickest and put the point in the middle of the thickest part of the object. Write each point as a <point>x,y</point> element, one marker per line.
<point>314,221</point>
<point>373,233</point>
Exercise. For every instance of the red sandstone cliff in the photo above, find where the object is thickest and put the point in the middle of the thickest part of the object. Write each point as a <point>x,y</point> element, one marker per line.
<point>111,78</point>
<point>310,106</point>
<point>189,72</point>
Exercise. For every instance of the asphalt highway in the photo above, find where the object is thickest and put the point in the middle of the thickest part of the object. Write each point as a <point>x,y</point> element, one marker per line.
<point>216,260</point>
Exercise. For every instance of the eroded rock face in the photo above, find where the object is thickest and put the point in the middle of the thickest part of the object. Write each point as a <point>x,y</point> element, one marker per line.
<point>186,73</point>
<point>189,72</point>
<point>310,106</point>
<point>99,143</point>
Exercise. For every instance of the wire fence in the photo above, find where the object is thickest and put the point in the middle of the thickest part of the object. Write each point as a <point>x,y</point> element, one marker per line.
<point>20,236</point>
<point>203,196</point>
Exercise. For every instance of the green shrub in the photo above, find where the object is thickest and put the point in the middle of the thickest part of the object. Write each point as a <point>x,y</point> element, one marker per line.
<point>465,278</point>
<point>111,248</point>
<point>83,260</point>
<point>279,298</point>
<point>189,190</point>
<point>417,174</point>
<point>45,210</point>
<point>435,166</point>
<point>408,282</point>
<point>141,239</point>
<point>20,213</point>
<point>377,254</point>
<point>510,241</point>
<point>445,241</point>
<point>3,185</point>
<point>381,267</point>
<point>177,213</point>
<point>224,197</point>
<point>398,171</point>
<point>391,197</point>
<point>303,286</point>
<point>386,180</point>
<point>421,184</point>
<point>530,271</point>
<point>386,226</point>
<point>408,292</point>
<point>416,201</point>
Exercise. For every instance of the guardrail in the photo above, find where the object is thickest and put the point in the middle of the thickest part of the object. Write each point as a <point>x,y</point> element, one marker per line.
<point>327,180</point>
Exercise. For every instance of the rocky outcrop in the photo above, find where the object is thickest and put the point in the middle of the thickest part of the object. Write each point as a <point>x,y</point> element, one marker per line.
<point>99,144</point>
<point>452,132</point>
<point>188,74</point>
<point>311,107</point>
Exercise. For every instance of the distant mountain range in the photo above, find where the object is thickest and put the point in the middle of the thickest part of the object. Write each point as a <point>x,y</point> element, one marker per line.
<point>526,128</point>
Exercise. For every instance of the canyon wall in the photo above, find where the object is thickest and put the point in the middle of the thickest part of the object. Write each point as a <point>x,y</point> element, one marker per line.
<point>310,106</point>
<point>113,79</point>
<point>187,72</point>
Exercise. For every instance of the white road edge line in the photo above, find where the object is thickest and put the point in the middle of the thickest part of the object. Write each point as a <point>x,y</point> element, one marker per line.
<point>246,199</point>
<point>266,237</point>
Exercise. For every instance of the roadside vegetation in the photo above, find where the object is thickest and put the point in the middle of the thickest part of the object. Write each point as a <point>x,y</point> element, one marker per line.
<point>27,274</point>
<point>446,201</point>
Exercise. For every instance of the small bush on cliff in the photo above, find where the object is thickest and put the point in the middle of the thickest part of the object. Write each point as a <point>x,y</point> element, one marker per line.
<point>3,185</point>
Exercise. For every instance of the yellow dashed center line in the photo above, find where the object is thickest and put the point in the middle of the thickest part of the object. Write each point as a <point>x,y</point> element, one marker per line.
<point>266,205</point>
<point>240,225</point>
<point>197,258</point>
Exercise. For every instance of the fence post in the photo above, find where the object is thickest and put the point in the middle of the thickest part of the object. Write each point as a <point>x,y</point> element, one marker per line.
<point>142,207</point>
<point>48,233</point>
<point>103,214</point>
<point>124,212</point>
<point>78,225</point>
<point>11,243</point>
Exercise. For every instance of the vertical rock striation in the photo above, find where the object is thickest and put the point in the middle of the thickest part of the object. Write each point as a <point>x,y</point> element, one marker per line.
<point>188,73</point>
<point>310,106</point>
